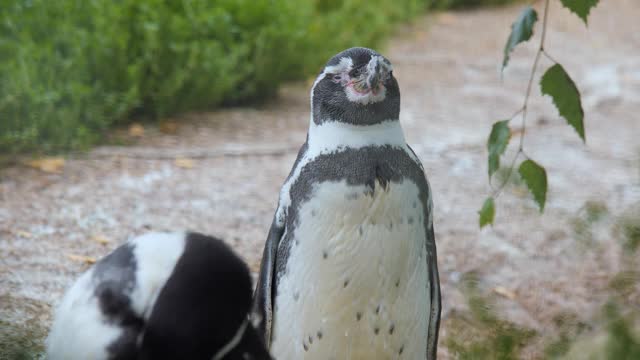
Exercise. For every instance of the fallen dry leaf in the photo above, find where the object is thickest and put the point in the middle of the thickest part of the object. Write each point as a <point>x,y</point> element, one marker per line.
<point>81,258</point>
<point>48,164</point>
<point>184,163</point>
<point>447,18</point>
<point>520,191</point>
<point>100,239</point>
<point>516,132</point>
<point>503,291</point>
<point>254,266</point>
<point>169,127</point>
<point>420,35</point>
<point>24,234</point>
<point>136,130</point>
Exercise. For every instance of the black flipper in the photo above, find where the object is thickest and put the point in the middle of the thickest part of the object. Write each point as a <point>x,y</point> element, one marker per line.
<point>262,314</point>
<point>434,279</point>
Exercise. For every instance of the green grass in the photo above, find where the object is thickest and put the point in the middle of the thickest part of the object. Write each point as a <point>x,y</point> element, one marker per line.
<point>569,327</point>
<point>20,343</point>
<point>589,214</point>
<point>481,333</point>
<point>628,228</point>
<point>622,342</point>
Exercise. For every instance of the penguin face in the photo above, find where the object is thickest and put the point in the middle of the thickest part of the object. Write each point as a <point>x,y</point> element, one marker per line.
<point>356,86</point>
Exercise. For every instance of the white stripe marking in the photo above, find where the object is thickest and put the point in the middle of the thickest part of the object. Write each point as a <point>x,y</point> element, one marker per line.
<point>235,340</point>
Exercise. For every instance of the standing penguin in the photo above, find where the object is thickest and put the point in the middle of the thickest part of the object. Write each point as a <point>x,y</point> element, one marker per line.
<point>349,269</point>
<point>159,296</point>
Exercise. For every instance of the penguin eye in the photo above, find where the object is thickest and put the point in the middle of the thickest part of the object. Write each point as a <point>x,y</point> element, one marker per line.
<point>355,72</point>
<point>335,77</point>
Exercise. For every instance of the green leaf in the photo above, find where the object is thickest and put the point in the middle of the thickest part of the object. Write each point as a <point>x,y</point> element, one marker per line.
<point>535,176</point>
<point>487,212</point>
<point>521,31</point>
<point>580,7</point>
<point>556,83</point>
<point>497,143</point>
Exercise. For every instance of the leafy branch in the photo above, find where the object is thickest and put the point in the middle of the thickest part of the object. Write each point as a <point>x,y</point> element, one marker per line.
<point>556,83</point>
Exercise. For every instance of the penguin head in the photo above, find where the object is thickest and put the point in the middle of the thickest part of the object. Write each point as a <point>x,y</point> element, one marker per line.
<point>356,86</point>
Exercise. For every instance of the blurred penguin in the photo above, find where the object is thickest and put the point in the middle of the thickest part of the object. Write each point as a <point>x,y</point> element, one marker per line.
<point>159,296</point>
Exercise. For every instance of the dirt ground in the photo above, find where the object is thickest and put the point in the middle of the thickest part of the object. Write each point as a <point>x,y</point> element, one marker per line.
<point>221,171</point>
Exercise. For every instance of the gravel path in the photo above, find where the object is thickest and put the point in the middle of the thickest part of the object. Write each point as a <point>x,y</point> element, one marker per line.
<point>231,164</point>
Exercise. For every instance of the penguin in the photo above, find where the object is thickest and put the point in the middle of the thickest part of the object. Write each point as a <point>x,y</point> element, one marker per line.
<point>159,296</point>
<point>349,269</point>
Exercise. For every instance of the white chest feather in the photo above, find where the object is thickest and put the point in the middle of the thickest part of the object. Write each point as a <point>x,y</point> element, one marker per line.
<point>357,284</point>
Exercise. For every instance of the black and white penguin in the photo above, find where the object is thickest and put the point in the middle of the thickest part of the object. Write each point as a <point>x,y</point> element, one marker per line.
<point>159,296</point>
<point>349,268</point>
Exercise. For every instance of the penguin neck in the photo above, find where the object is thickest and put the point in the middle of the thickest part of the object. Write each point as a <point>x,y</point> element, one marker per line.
<point>331,136</point>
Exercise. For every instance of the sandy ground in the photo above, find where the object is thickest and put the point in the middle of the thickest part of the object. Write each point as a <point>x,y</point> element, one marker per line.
<point>448,69</point>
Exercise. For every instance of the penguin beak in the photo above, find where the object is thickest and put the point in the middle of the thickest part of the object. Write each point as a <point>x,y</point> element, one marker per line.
<point>377,73</point>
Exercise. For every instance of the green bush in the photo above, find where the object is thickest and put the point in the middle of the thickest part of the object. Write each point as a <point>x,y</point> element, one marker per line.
<point>69,69</point>
<point>456,4</point>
